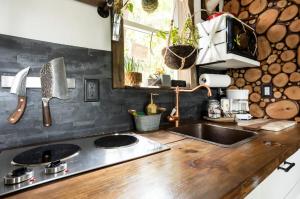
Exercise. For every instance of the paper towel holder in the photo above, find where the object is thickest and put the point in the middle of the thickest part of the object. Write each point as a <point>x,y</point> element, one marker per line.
<point>215,80</point>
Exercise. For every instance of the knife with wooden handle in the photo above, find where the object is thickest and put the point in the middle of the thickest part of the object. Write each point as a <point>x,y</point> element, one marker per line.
<point>53,84</point>
<point>19,88</point>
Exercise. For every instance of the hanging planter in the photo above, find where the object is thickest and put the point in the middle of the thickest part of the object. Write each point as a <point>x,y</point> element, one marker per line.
<point>182,48</point>
<point>149,5</point>
<point>180,56</point>
<point>118,9</point>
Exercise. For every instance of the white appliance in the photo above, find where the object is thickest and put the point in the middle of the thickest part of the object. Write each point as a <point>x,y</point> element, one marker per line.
<point>238,100</point>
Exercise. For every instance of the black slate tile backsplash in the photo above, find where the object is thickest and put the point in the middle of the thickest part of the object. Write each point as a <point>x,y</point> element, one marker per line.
<point>74,118</point>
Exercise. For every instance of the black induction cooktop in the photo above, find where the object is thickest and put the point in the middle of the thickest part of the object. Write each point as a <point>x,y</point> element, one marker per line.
<point>113,141</point>
<point>46,154</point>
<point>26,167</point>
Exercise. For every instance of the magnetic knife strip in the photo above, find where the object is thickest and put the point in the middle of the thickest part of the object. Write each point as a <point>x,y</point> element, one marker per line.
<point>31,82</point>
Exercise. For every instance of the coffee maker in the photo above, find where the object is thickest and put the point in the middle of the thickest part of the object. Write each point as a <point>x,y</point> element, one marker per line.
<point>236,104</point>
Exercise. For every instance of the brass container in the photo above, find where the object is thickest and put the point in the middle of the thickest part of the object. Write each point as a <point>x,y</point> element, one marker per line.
<point>133,79</point>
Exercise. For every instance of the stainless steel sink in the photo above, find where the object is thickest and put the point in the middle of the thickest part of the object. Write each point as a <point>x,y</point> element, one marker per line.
<point>218,135</point>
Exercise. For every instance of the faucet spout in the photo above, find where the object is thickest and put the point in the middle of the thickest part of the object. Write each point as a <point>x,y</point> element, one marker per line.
<point>176,118</point>
<point>209,93</point>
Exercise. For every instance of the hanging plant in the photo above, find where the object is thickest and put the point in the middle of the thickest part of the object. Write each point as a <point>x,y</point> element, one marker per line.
<point>119,7</point>
<point>149,5</point>
<point>182,49</point>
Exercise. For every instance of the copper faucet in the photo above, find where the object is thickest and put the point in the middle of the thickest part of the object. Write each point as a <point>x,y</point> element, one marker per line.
<point>175,118</point>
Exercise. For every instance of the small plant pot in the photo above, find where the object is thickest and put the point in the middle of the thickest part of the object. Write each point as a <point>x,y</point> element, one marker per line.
<point>133,79</point>
<point>174,62</point>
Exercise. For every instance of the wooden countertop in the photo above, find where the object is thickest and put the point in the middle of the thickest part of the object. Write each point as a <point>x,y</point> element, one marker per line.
<point>191,169</point>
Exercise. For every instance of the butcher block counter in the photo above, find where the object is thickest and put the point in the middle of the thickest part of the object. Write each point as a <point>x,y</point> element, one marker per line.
<point>191,169</point>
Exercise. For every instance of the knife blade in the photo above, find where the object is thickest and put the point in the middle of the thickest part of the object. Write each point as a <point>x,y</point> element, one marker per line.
<point>19,88</point>
<point>53,84</point>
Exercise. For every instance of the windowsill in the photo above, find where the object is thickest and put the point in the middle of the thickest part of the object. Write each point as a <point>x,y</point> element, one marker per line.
<point>153,88</point>
<point>149,88</point>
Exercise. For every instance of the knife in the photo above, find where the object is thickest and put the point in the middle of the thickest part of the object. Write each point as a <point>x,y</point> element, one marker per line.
<point>53,84</point>
<point>19,88</point>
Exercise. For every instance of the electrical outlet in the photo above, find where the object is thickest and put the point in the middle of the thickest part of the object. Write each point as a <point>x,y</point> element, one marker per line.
<point>91,90</point>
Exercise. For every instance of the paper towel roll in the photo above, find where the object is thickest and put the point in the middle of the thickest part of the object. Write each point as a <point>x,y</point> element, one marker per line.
<point>215,80</point>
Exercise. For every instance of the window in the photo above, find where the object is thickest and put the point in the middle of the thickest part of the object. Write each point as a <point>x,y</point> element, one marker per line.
<point>140,44</point>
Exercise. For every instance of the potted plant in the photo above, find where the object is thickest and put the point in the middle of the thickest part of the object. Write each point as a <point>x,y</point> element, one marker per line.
<point>132,76</point>
<point>182,49</point>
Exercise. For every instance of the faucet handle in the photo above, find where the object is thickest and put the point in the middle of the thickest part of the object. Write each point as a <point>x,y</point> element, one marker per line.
<point>172,118</point>
<point>173,112</point>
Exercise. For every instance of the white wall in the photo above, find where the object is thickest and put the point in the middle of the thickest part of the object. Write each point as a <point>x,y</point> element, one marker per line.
<point>59,21</point>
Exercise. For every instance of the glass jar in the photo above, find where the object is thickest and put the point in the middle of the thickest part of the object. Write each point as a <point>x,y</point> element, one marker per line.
<point>214,109</point>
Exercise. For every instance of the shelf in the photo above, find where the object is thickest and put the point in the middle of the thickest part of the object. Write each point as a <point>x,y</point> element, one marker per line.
<point>232,61</point>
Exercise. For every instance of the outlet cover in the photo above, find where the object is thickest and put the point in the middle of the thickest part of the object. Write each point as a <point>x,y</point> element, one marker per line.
<point>91,90</point>
<point>267,90</point>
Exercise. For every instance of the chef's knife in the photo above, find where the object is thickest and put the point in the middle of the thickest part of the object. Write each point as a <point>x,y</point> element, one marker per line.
<point>53,84</point>
<point>19,88</point>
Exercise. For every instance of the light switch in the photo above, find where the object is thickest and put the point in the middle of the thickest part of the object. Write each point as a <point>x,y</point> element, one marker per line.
<point>91,90</point>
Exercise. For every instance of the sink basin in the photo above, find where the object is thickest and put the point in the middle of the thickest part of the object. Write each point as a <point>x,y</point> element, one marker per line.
<point>218,135</point>
<point>115,141</point>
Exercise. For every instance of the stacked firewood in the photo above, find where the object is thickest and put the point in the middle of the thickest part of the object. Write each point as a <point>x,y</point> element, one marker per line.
<point>277,25</point>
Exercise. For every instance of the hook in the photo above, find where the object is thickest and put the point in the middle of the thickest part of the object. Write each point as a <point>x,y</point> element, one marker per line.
<point>103,10</point>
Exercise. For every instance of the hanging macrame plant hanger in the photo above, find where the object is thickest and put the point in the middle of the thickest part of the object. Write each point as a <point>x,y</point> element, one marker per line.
<point>179,57</point>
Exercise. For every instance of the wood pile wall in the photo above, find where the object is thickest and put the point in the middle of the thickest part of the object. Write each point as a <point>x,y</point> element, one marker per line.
<point>277,25</point>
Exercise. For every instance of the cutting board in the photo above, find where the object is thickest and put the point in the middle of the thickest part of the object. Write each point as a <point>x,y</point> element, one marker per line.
<point>222,119</point>
<point>268,124</point>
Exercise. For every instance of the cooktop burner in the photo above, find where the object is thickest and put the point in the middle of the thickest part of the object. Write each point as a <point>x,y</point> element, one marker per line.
<point>112,141</point>
<point>46,154</point>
